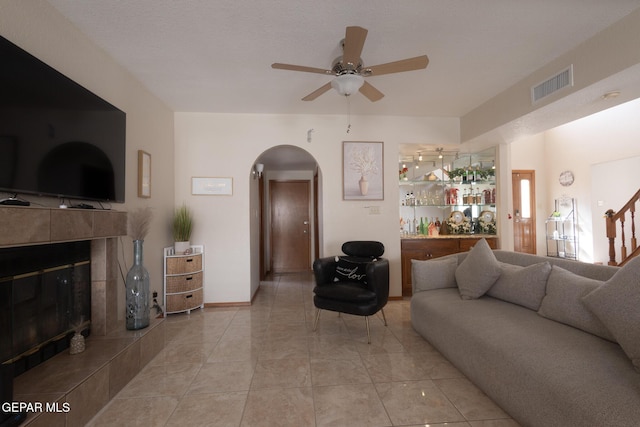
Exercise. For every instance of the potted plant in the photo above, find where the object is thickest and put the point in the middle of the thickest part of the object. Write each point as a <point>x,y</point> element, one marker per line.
<point>182,227</point>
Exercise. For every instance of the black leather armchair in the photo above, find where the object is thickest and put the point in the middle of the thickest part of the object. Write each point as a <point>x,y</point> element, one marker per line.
<point>357,283</point>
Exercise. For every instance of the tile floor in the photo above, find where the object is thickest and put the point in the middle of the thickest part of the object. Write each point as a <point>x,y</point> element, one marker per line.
<point>264,366</point>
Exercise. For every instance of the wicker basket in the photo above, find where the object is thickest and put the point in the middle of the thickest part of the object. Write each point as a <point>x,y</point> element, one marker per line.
<point>184,283</point>
<point>183,264</point>
<point>184,301</point>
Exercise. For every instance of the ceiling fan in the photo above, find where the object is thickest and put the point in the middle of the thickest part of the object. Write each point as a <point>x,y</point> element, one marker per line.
<point>349,70</point>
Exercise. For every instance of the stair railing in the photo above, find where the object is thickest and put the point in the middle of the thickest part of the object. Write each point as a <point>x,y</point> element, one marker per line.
<point>617,220</point>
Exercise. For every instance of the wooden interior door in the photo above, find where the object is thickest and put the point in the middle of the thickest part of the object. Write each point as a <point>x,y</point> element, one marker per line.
<point>290,228</point>
<point>524,211</point>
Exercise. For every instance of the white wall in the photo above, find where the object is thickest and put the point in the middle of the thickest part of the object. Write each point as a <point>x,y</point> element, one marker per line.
<point>226,145</point>
<point>594,149</point>
<point>39,29</point>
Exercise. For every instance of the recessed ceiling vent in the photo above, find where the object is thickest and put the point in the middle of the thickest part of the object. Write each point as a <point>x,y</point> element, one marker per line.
<point>561,80</point>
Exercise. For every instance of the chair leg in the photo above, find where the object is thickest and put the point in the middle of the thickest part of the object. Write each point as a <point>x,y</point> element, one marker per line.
<point>384,317</point>
<point>366,318</point>
<point>315,323</point>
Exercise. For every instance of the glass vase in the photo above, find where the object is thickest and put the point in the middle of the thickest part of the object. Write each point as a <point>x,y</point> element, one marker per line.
<point>137,290</point>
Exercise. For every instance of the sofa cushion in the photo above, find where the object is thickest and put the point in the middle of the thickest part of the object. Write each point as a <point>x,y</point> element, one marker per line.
<point>478,271</point>
<point>435,273</point>
<point>563,302</point>
<point>524,286</point>
<point>617,304</point>
<point>351,269</point>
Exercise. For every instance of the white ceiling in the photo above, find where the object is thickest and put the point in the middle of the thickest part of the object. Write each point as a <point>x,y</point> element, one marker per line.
<point>216,56</point>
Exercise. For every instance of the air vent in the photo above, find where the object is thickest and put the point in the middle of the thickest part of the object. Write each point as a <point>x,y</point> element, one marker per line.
<point>563,79</point>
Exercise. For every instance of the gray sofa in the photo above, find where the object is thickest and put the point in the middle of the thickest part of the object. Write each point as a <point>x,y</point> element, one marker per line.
<point>552,341</point>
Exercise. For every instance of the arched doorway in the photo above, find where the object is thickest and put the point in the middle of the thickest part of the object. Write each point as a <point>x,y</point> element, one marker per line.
<point>289,199</point>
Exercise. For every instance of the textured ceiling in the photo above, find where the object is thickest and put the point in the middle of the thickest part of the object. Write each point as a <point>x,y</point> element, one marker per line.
<point>215,56</point>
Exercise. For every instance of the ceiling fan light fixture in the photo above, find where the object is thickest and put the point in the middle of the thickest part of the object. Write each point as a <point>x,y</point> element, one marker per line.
<point>346,84</point>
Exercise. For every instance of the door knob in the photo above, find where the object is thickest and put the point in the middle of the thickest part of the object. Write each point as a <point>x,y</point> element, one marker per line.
<point>305,222</point>
<point>304,231</point>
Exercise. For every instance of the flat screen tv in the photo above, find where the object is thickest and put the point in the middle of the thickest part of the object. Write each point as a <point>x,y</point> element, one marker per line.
<point>56,137</point>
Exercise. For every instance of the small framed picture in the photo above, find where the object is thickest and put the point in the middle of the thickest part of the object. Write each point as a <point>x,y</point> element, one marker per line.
<point>362,170</point>
<point>144,174</point>
<point>212,186</point>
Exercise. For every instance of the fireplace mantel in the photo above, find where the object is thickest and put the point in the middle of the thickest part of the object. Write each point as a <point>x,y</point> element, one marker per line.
<point>20,226</point>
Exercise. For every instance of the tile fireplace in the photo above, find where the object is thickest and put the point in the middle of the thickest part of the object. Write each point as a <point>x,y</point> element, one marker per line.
<point>87,381</point>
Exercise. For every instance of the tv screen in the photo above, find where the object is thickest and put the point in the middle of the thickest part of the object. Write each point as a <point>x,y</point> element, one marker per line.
<point>56,137</point>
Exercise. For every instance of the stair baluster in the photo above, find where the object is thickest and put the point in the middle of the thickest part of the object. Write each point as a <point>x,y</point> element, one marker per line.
<point>613,219</point>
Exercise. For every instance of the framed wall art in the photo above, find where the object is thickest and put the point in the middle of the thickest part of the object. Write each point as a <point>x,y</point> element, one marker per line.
<point>362,170</point>
<point>144,174</point>
<point>211,186</point>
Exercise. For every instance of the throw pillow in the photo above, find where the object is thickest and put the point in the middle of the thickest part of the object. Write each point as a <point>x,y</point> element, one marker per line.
<point>352,269</point>
<point>434,273</point>
<point>478,271</point>
<point>616,303</point>
<point>563,302</point>
<point>524,286</point>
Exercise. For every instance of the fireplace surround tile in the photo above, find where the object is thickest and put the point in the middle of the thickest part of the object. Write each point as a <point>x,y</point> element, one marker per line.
<point>71,224</point>
<point>109,223</point>
<point>104,286</point>
<point>88,398</point>
<point>46,419</point>
<point>31,225</point>
<point>123,368</point>
<point>24,226</point>
<point>152,343</point>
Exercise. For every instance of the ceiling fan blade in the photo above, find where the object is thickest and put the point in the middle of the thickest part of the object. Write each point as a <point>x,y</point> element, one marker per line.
<point>353,44</point>
<point>410,64</point>
<point>316,93</point>
<point>290,67</point>
<point>371,92</point>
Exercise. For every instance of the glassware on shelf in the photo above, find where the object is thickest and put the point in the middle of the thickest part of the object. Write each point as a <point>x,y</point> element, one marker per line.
<point>453,196</point>
<point>487,196</point>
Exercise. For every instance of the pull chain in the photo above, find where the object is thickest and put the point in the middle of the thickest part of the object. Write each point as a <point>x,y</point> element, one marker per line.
<point>348,114</point>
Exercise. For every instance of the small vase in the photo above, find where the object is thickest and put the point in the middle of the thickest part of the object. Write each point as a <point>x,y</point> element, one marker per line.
<point>77,344</point>
<point>364,185</point>
<point>137,291</point>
